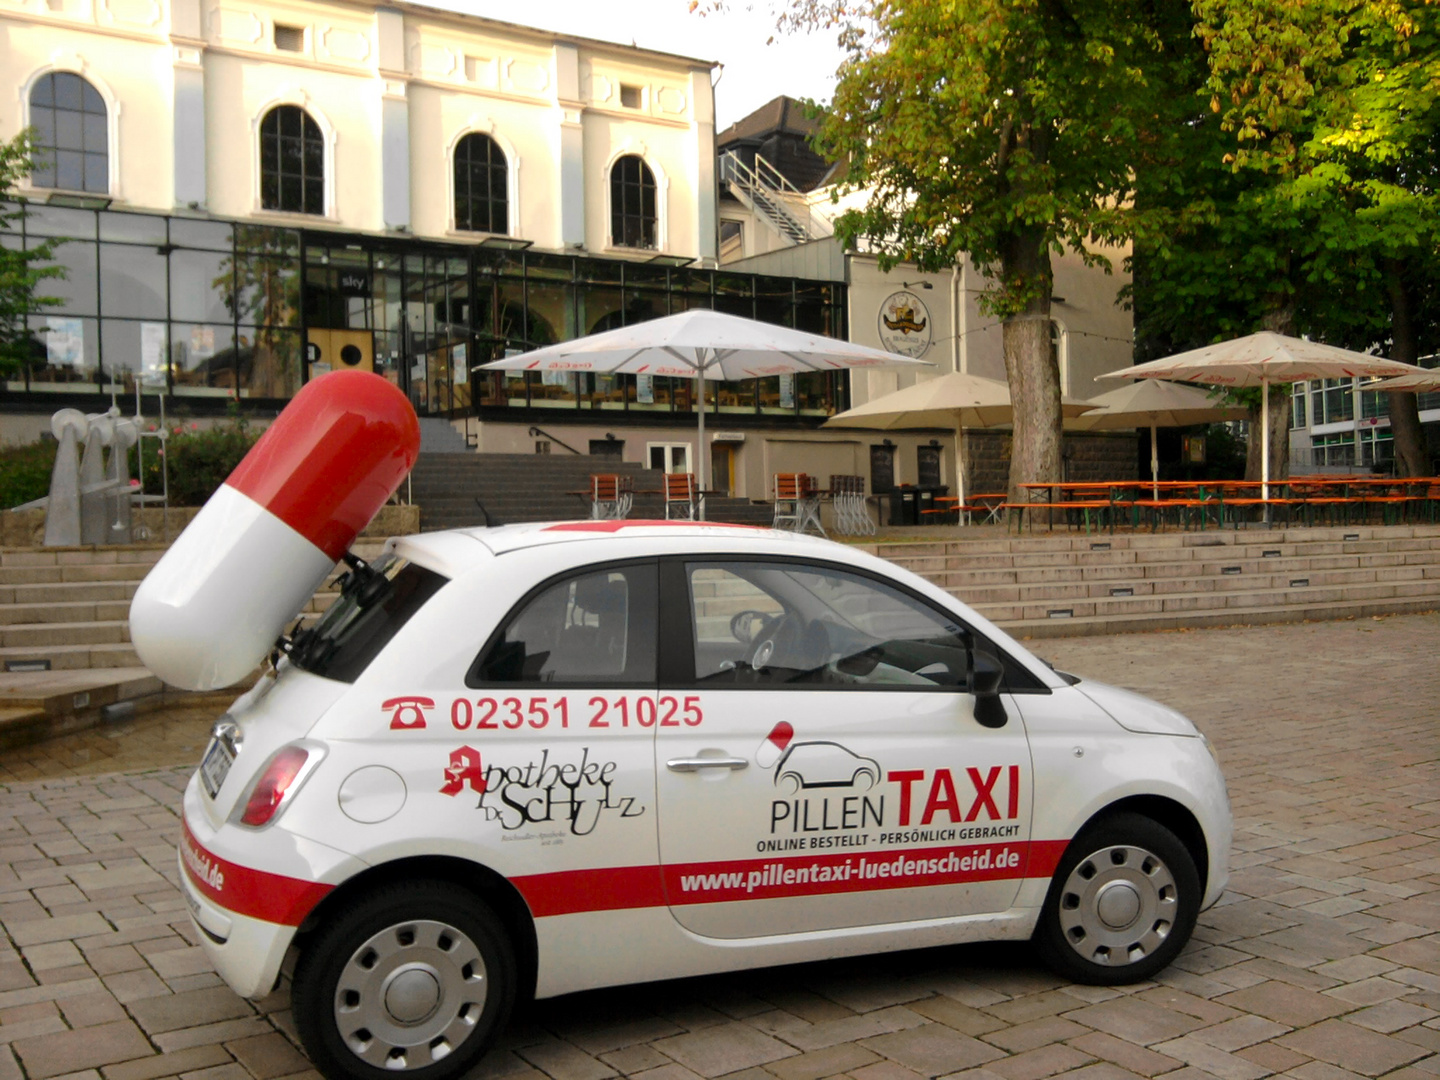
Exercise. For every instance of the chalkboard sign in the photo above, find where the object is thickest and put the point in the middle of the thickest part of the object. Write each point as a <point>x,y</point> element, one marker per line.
<point>882,469</point>
<point>927,463</point>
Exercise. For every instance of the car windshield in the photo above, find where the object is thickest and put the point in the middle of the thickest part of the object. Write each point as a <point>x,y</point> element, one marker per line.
<point>375,601</point>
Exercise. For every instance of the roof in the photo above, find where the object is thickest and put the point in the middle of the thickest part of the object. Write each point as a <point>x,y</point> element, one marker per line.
<point>782,114</point>
<point>509,28</point>
<point>453,551</point>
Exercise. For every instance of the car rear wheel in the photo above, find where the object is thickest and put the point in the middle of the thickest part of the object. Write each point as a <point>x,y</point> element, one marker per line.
<point>413,979</point>
<point>1122,903</point>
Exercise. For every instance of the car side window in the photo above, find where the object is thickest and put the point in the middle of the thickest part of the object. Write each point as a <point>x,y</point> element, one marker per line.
<point>594,628</point>
<point>774,623</point>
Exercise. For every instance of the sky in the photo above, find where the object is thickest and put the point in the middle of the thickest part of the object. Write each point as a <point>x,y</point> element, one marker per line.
<point>754,72</point>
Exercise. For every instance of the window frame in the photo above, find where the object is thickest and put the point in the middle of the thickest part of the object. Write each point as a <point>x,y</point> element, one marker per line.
<point>107,101</point>
<point>473,681</point>
<point>677,632</point>
<point>503,170</point>
<point>616,185</point>
<point>326,159</point>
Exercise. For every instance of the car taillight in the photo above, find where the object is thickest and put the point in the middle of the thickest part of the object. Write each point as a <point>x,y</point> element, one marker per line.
<point>274,784</point>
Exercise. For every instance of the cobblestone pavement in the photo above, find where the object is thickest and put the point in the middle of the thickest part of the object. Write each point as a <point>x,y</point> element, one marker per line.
<point>1322,962</point>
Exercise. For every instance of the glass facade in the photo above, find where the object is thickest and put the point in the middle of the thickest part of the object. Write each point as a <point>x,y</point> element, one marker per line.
<point>205,309</point>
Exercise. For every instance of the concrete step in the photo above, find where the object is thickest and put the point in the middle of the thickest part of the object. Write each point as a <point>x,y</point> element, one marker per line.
<point>68,592</point>
<point>41,575</point>
<point>1198,601</point>
<point>48,635</point>
<point>41,705</point>
<point>70,657</point>
<point>1136,623</point>
<point>71,611</point>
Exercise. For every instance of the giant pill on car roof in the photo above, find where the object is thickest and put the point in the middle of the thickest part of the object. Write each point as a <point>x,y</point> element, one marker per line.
<point>212,607</point>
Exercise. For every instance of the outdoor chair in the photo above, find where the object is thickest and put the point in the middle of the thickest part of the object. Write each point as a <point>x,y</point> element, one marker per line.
<point>611,496</point>
<point>847,500</point>
<point>680,496</point>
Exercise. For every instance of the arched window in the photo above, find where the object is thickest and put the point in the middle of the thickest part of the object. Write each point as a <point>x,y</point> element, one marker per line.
<point>632,203</point>
<point>72,141</point>
<point>292,161</point>
<point>481,185</point>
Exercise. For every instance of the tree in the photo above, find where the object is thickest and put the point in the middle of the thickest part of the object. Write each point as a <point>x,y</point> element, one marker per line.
<point>1334,105</point>
<point>1005,130</point>
<point>21,270</point>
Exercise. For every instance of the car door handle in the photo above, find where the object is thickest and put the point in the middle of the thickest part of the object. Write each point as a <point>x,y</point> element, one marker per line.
<point>693,764</point>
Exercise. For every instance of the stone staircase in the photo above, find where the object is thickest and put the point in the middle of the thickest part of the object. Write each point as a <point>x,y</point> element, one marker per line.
<point>536,487</point>
<point>1065,585</point>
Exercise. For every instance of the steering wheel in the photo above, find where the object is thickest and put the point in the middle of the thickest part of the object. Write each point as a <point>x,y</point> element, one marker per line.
<point>778,636</point>
<point>743,623</point>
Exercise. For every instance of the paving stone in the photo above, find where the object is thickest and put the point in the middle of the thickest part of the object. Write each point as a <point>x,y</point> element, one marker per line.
<point>89,1009</point>
<point>225,1031</point>
<point>1040,1062</point>
<point>667,1072</point>
<point>128,986</point>
<point>932,1049</point>
<point>174,1011</point>
<point>1036,1033</point>
<point>851,1028</point>
<point>1272,1056</point>
<point>268,1056</point>
<point>1128,1056</point>
<point>1286,1004</point>
<point>1240,1032</point>
<point>727,1048</point>
<point>218,1072</point>
<point>1135,1020</point>
<point>1368,991</point>
<point>84,1048</point>
<point>157,1065</point>
<point>821,1063</point>
<point>953,1014</point>
<point>1214,1061</point>
<point>1391,1016</point>
<point>39,931</point>
<point>883,1070</point>
<point>1354,1048</point>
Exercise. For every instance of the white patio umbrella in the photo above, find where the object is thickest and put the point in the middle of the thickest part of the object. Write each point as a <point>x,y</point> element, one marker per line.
<point>1158,404</point>
<point>953,400</point>
<point>703,345</point>
<point>1258,360</point>
<point>1411,384</point>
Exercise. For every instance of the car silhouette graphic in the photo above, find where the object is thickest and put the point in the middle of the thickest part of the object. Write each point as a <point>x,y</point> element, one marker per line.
<point>824,764</point>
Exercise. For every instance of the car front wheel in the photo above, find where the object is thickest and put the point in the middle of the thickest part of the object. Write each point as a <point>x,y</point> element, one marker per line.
<point>1122,904</point>
<point>414,979</point>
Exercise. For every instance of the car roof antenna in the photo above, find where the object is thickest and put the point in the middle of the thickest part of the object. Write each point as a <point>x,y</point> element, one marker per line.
<point>490,522</point>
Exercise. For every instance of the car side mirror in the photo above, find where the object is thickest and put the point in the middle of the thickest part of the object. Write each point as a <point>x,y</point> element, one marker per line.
<point>986,676</point>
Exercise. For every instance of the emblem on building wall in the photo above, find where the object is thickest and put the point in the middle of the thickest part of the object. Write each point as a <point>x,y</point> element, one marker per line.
<point>904,324</point>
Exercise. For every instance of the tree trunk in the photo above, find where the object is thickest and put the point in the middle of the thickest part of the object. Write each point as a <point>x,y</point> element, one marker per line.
<point>1031,368</point>
<point>1404,408</point>
<point>1280,320</point>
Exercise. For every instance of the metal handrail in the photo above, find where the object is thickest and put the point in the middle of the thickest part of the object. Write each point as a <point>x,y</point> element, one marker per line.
<point>776,194</point>
<point>541,431</point>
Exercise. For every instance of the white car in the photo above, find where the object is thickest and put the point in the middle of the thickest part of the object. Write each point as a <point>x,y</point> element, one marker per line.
<point>537,759</point>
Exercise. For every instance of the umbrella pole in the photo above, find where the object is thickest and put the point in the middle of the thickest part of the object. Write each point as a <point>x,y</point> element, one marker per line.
<point>1154,466</point>
<point>960,469</point>
<point>700,455</point>
<point>1265,444</point>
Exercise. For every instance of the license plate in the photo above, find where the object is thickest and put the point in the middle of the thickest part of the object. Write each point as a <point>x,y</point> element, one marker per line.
<point>215,766</point>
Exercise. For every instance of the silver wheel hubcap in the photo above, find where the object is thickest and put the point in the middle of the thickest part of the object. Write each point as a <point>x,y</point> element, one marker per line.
<point>1118,905</point>
<point>410,995</point>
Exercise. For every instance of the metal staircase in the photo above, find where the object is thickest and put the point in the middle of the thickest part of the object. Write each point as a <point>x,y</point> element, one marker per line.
<point>765,190</point>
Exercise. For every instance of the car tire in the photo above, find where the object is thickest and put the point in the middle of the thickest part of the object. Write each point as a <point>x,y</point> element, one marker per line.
<point>1122,903</point>
<point>411,978</point>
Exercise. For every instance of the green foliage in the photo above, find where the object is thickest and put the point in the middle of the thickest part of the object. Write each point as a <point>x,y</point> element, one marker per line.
<point>21,272</point>
<point>25,472</point>
<point>1000,129</point>
<point>199,459</point>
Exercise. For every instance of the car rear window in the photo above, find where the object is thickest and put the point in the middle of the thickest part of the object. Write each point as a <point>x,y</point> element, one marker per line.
<point>374,604</point>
